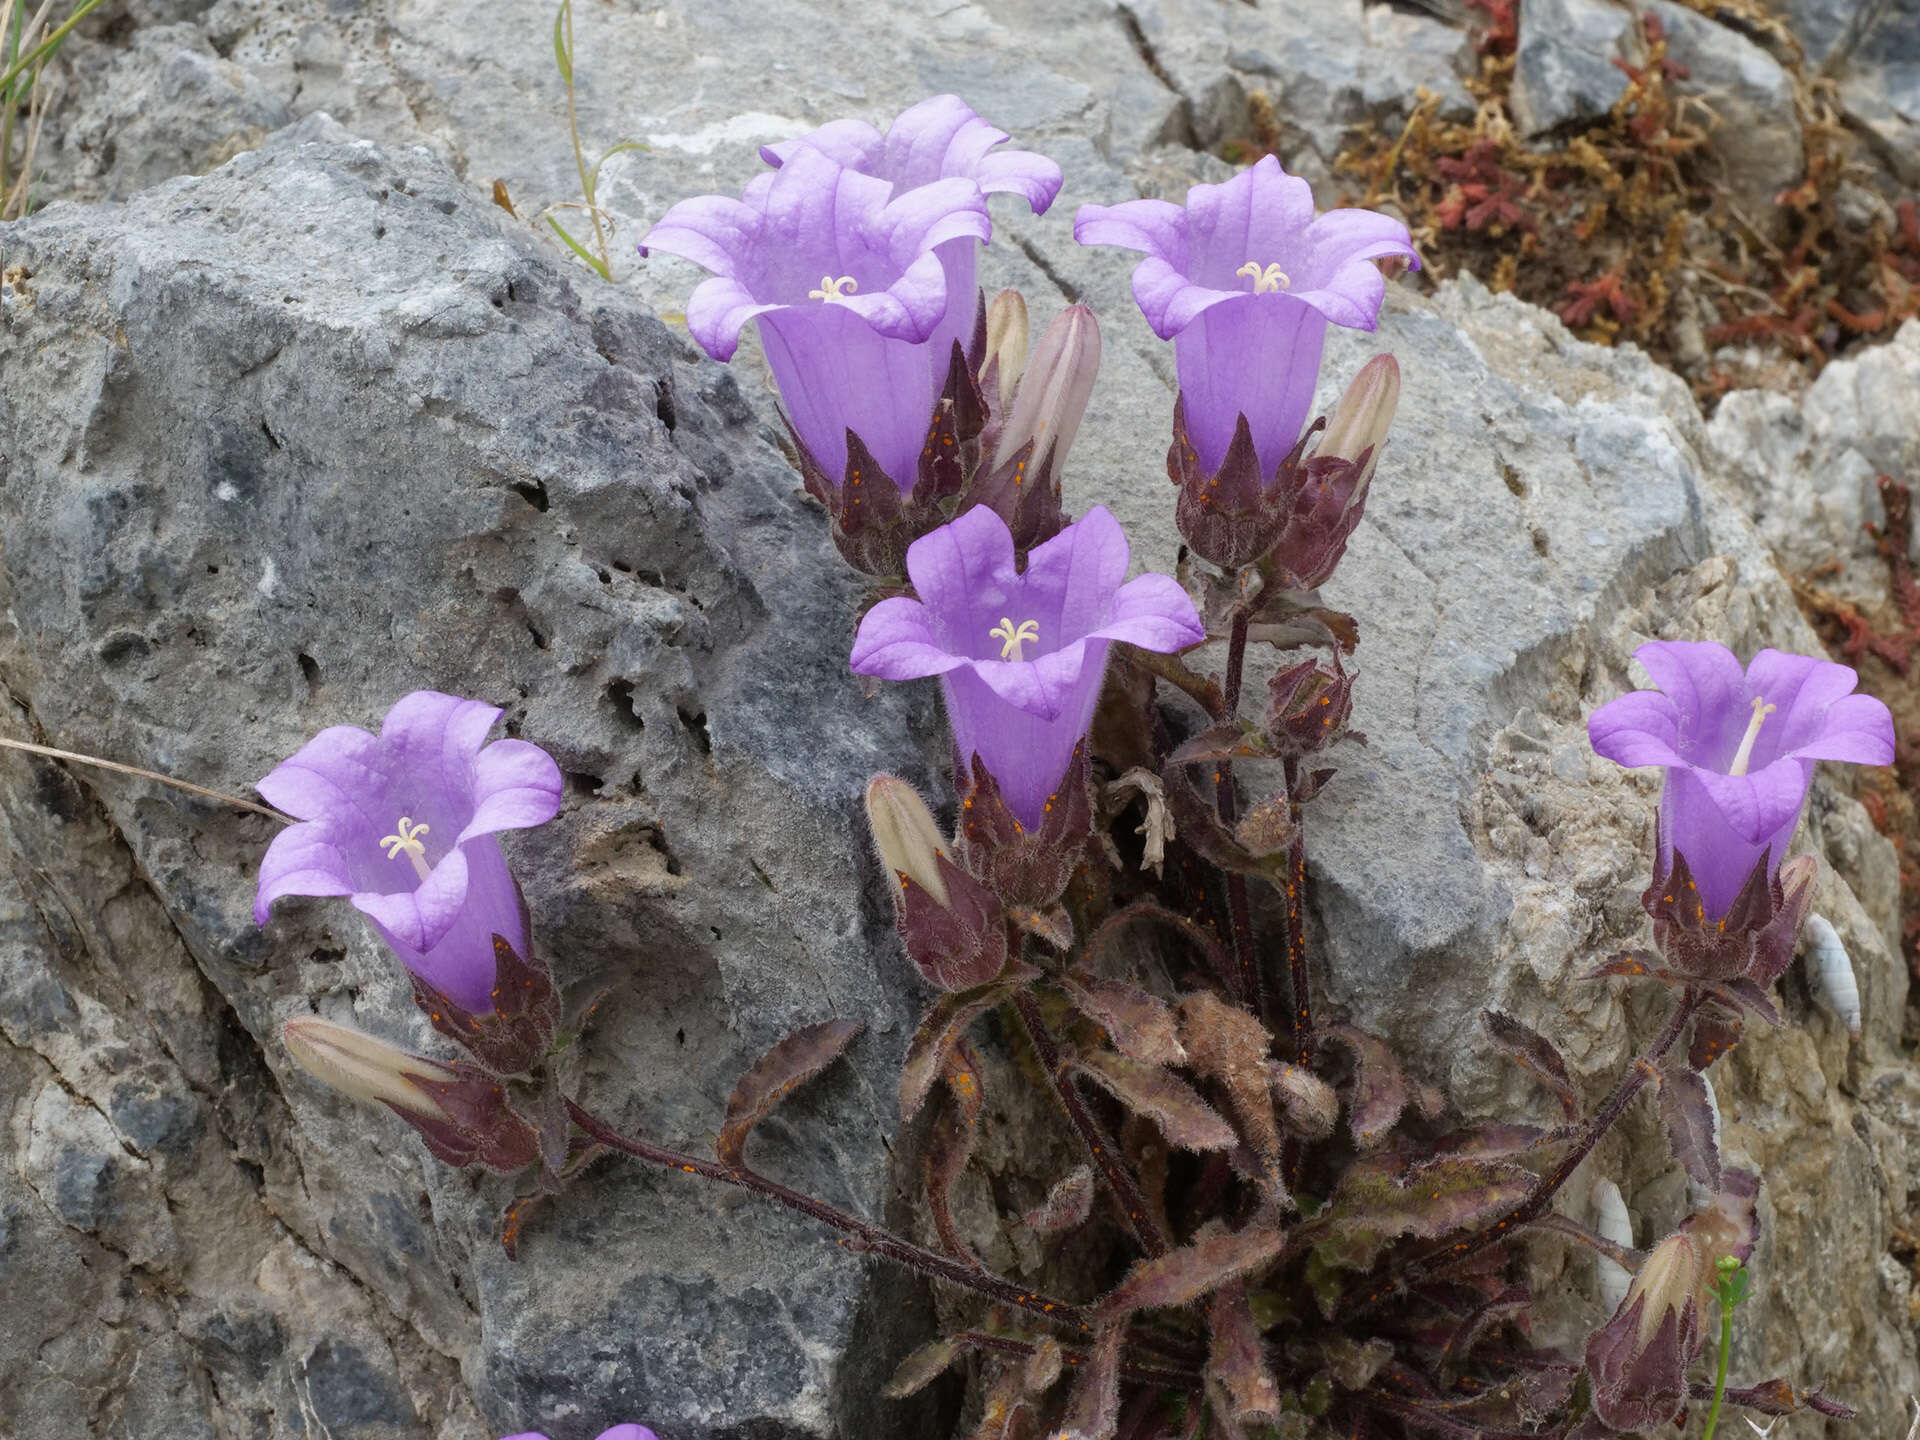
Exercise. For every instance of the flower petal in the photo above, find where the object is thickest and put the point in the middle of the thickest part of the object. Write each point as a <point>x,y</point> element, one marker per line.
<point>1815,720</point>
<point>712,231</point>
<point>852,143</point>
<point>1157,228</point>
<point>1757,805</point>
<point>1639,728</point>
<point>1071,579</point>
<point>1154,613</point>
<point>418,919</point>
<point>302,860</point>
<point>964,573</point>
<point>717,311</point>
<point>515,786</point>
<point>1252,355</point>
<point>1857,728</point>
<point>461,963</point>
<point>895,642</point>
<point>836,374</point>
<point>1709,694</point>
<point>330,775</point>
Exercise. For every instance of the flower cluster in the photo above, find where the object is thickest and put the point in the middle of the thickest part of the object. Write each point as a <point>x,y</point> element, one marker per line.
<point>1081,722</point>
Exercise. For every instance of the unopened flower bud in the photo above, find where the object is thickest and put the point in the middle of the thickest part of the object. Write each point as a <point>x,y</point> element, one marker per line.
<point>1639,1358</point>
<point>356,1064</point>
<point>1054,393</point>
<point>1006,344</point>
<point>1364,415</point>
<point>954,930</point>
<point>909,841</point>
<point>1312,703</point>
<point>458,1109</point>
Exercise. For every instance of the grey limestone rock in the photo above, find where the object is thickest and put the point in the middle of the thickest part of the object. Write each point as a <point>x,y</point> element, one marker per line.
<point>1563,67</point>
<point>276,447</point>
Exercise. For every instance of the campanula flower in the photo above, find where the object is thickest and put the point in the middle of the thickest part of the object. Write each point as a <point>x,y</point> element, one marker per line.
<point>404,823</point>
<point>1639,1358</point>
<point>1020,656</point>
<point>618,1432</point>
<point>1245,279</point>
<point>1738,748</point>
<point>845,275</point>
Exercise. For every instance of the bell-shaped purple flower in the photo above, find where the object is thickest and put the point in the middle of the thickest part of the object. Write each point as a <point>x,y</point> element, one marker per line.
<point>858,298</point>
<point>404,824</point>
<point>618,1432</point>
<point>1021,656</point>
<point>938,139</point>
<point>1244,279</point>
<point>1738,747</point>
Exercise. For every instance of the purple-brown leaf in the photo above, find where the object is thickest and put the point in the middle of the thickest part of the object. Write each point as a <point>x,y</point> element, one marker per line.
<point>1175,1106</point>
<point>774,1076</point>
<point>1533,1051</point>
<point>1216,1256</point>
<point>1688,1115</point>
<point>1236,1358</point>
<point>1093,1407</point>
<point>1140,1024</point>
<point>1067,1206</point>
<point>943,1026</point>
<point>1379,1089</point>
<point>1379,1200</point>
<point>954,1137</point>
<point>1235,741</point>
<point>1043,1367</point>
<point>1308,1102</point>
<point>1229,1046</point>
<point>922,1368</point>
<point>1713,1036</point>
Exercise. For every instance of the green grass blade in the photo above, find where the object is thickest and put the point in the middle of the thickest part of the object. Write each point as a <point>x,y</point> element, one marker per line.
<point>575,246</point>
<point>47,47</point>
<point>560,55</point>
<point>593,176</point>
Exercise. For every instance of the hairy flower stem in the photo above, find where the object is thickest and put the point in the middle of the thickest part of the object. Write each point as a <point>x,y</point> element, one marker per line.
<point>1252,981</point>
<point>1297,926</point>
<point>1630,1084</point>
<point>1126,1190</point>
<point>862,1235</point>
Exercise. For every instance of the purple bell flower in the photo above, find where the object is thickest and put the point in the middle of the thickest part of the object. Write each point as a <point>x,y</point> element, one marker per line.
<point>1244,279</point>
<point>938,139</point>
<point>1021,656</point>
<point>860,291</point>
<point>404,824</point>
<point>1738,748</point>
<point>618,1432</point>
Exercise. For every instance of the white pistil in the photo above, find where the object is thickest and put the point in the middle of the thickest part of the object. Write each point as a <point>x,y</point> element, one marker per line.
<point>1027,632</point>
<point>832,289</point>
<point>1744,754</point>
<point>1272,277</point>
<point>409,843</point>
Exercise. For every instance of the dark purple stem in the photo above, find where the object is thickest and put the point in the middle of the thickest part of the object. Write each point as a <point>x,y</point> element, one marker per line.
<point>862,1236</point>
<point>1125,1189</point>
<point>1131,1370</point>
<point>1297,926</point>
<point>1253,983</point>
<point>1630,1084</point>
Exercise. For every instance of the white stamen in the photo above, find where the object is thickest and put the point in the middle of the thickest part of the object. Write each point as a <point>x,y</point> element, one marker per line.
<point>1027,632</point>
<point>1272,277</point>
<point>1744,754</point>
<point>832,289</point>
<point>408,842</point>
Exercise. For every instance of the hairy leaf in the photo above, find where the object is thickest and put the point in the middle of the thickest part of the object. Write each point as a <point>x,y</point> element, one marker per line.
<point>1688,1115</point>
<point>1140,1025</point>
<point>1352,1364</point>
<point>944,1024</point>
<point>1216,1256</point>
<point>1744,995</point>
<point>774,1076</point>
<point>1121,945</point>
<point>1377,1201</point>
<point>1268,830</point>
<point>1155,830</point>
<point>1043,1367</point>
<point>1379,1089</point>
<point>1509,1303</point>
<point>1309,1103</point>
<point>1067,1206</point>
<point>1533,1051</point>
<point>922,1368</point>
<point>1241,740</point>
<point>1175,1106</point>
<point>1229,1046</point>
<point>1713,1036</point>
<point>1635,963</point>
<point>1052,924</point>
<point>952,1146</point>
<point>1236,1358</point>
<point>1493,1140</point>
<point>1005,1406</point>
<point>1200,829</point>
<point>1093,1407</point>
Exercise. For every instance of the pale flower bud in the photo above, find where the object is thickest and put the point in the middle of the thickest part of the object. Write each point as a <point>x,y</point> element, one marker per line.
<point>1054,393</point>
<point>1364,415</point>
<point>909,842</point>
<point>363,1067</point>
<point>1006,343</point>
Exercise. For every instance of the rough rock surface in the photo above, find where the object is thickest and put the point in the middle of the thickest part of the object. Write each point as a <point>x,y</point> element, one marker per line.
<point>286,446</point>
<point>1563,66</point>
<point>281,445</point>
